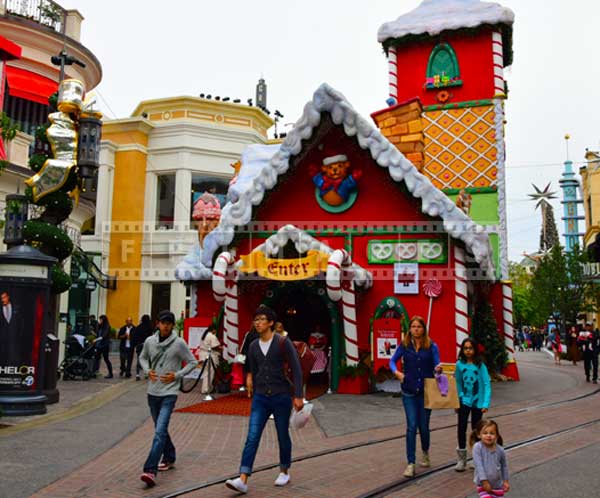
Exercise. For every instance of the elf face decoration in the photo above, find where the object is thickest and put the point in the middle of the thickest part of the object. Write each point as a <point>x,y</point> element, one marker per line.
<point>337,180</point>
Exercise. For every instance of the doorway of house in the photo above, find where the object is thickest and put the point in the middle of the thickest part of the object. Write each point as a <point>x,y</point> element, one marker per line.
<point>308,316</point>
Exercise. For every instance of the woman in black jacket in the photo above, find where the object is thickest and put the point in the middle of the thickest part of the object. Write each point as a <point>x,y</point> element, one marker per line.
<point>102,344</point>
<point>140,334</point>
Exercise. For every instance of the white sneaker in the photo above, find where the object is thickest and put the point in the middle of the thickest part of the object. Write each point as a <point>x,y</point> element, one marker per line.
<point>282,479</point>
<point>237,485</point>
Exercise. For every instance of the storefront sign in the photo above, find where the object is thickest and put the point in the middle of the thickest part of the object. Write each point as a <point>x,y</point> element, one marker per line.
<point>406,278</point>
<point>285,269</point>
<point>384,341</point>
<point>193,330</point>
<point>591,270</point>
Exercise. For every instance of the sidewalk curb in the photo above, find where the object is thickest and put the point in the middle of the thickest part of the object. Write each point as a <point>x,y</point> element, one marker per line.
<point>81,407</point>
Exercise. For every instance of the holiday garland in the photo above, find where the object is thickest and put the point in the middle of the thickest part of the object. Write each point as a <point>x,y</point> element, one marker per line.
<point>43,232</point>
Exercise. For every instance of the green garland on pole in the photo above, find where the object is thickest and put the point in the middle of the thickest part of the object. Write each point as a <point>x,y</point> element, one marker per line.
<point>43,232</point>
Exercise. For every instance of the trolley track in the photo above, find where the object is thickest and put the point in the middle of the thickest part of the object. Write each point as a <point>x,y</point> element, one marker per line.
<point>402,483</point>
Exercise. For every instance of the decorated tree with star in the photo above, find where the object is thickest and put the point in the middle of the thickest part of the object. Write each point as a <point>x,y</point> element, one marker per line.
<point>549,233</point>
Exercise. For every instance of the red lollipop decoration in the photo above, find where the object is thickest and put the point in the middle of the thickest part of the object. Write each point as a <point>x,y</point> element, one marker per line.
<point>432,288</point>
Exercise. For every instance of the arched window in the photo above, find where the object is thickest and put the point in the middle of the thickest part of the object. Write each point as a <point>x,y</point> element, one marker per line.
<point>442,68</point>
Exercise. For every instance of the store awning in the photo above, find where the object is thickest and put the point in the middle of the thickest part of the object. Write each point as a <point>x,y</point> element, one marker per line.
<point>9,50</point>
<point>29,86</point>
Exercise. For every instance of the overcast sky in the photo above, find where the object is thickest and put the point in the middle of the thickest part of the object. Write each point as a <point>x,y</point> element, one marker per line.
<point>151,49</point>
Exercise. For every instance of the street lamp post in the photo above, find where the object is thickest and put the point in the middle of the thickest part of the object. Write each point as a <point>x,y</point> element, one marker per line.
<point>62,60</point>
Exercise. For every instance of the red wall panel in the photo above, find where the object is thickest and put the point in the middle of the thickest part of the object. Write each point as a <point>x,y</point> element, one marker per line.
<point>474,55</point>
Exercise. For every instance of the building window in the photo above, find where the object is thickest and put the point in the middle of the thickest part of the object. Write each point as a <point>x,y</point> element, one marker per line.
<point>165,202</point>
<point>442,68</point>
<point>589,206</point>
<point>161,299</point>
<point>205,183</point>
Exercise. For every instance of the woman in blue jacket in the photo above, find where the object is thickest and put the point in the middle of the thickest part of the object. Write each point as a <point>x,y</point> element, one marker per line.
<point>420,359</point>
<point>474,393</point>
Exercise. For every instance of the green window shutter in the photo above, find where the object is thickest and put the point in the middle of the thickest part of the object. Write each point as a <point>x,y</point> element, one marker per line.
<point>442,68</point>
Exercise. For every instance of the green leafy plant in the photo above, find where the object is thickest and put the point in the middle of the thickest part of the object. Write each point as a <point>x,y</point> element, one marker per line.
<point>485,330</point>
<point>8,131</point>
<point>361,369</point>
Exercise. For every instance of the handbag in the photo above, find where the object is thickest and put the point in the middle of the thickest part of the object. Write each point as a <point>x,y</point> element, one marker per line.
<point>434,399</point>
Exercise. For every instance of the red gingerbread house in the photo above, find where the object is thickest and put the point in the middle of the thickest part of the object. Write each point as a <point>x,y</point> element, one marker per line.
<point>338,232</point>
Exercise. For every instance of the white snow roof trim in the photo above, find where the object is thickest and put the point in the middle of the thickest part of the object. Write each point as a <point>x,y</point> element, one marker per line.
<point>303,242</point>
<point>191,267</point>
<point>434,16</point>
<point>251,185</point>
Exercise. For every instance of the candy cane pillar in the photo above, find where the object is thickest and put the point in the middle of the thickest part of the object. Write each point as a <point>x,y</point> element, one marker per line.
<point>498,58</point>
<point>393,73</point>
<point>340,286</point>
<point>461,316</point>
<point>225,288</point>
<point>510,370</point>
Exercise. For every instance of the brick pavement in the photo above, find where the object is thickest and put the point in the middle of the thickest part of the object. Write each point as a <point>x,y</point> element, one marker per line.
<point>209,448</point>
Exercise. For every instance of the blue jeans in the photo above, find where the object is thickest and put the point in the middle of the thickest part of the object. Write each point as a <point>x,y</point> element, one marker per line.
<point>280,405</point>
<point>416,417</point>
<point>161,408</point>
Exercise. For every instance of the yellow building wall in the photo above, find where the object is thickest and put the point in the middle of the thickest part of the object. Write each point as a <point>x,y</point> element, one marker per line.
<point>125,253</point>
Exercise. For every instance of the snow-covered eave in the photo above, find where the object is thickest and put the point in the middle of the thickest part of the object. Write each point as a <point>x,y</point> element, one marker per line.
<point>438,17</point>
<point>434,202</point>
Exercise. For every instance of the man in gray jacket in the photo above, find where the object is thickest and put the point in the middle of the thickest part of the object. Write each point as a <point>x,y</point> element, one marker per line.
<point>161,360</point>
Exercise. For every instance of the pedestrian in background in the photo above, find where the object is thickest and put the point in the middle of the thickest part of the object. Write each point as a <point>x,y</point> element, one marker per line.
<point>587,342</point>
<point>140,334</point>
<point>210,349</point>
<point>555,345</point>
<point>161,359</point>
<point>474,390</point>
<point>489,458</point>
<point>269,389</point>
<point>572,350</point>
<point>102,345</point>
<point>125,337</point>
<point>420,359</point>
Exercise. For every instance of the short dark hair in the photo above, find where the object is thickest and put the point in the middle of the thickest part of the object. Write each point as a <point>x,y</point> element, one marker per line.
<point>268,312</point>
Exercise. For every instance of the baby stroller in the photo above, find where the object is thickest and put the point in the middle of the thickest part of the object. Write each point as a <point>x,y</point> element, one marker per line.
<point>79,359</point>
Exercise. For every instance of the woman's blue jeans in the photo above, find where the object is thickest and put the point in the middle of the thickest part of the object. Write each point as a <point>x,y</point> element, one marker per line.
<point>161,408</point>
<point>416,417</point>
<point>280,405</point>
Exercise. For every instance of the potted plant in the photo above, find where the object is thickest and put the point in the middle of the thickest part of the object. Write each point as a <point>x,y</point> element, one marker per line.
<point>223,380</point>
<point>354,379</point>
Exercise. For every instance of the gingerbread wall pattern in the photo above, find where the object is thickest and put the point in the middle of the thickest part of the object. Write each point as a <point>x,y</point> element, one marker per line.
<point>460,147</point>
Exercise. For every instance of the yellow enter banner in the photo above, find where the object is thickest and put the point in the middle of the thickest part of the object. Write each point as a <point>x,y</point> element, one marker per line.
<point>314,263</point>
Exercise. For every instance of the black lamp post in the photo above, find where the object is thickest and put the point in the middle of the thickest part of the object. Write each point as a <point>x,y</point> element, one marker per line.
<point>15,217</point>
<point>88,146</point>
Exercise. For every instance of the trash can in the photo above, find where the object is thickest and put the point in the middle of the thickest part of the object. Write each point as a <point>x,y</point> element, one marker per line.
<point>51,369</point>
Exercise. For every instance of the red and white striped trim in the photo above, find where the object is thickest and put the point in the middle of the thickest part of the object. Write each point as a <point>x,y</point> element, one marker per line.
<point>461,304</point>
<point>393,72</point>
<point>507,320</point>
<point>225,288</point>
<point>498,60</point>
<point>340,286</point>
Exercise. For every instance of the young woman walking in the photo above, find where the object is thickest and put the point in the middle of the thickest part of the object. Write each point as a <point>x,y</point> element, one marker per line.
<point>420,358</point>
<point>474,393</point>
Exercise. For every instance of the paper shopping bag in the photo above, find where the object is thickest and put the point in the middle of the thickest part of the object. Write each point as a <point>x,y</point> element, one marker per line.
<point>434,399</point>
